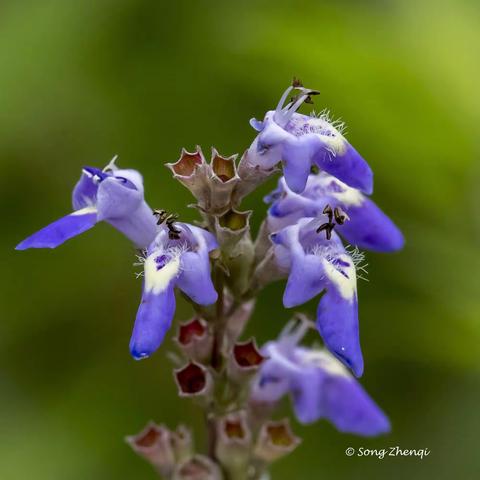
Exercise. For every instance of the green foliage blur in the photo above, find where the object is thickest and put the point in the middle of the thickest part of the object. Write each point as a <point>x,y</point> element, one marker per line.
<point>81,81</point>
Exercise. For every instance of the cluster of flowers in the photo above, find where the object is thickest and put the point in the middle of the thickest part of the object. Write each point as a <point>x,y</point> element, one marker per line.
<point>320,202</point>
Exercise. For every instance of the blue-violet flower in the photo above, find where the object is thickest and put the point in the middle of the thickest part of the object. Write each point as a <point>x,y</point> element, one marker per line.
<point>302,141</point>
<point>112,195</point>
<point>315,264</point>
<point>179,261</point>
<point>320,386</point>
<point>367,228</point>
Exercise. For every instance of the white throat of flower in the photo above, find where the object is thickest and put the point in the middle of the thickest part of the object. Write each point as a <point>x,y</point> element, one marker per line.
<point>340,269</point>
<point>325,361</point>
<point>348,196</point>
<point>85,210</point>
<point>157,279</point>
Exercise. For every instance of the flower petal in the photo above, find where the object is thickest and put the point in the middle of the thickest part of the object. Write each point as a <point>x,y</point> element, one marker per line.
<point>120,202</point>
<point>202,235</point>
<point>370,228</point>
<point>306,391</point>
<point>85,191</point>
<point>296,155</point>
<point>61,230</point>
<point>154,317</point>
<point>337,322</point>
<point>305,281</point>
<point>195,280</point>
<point>346,404</point>
<point>338,158</point>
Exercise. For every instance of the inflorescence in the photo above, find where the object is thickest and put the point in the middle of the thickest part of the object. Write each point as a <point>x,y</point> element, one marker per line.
<point>319,220</point>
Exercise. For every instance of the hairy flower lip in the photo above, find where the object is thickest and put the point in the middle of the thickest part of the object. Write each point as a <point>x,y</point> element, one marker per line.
<point>193,380</point>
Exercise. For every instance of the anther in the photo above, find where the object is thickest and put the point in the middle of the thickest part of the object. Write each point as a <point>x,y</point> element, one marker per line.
<point>338,214</point>
<point>327,226</point>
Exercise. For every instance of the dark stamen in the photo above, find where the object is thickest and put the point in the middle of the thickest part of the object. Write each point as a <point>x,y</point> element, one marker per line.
<point>340,217</point>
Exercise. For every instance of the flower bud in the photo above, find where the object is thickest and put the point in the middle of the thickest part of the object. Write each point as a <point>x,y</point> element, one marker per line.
<point>233,234</point>
<point>195,339</point>
<point>153,443</point>
<point>193,380</point>
<point>244,361</point>
<point>198,467</point>
<point>275,440</point>
<point>233,442</point>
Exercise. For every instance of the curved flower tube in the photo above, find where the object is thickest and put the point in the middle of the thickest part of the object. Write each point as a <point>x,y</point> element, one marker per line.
<point>302,141</point>
<point>171,261</point>
<point>113,195</point>
<point>367,228</point>
<point>315,264</point>
<point>320,386</point>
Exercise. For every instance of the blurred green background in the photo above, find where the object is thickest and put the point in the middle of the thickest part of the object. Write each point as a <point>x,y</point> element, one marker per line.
<point>82,81</point>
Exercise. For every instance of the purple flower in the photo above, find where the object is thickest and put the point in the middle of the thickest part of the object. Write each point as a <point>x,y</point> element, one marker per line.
<point>320,386</point>
<point>315,264</point>
<point>301,141</point>
<point>113,195</point>
<point>180,260</point>
<point>367,228</point>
